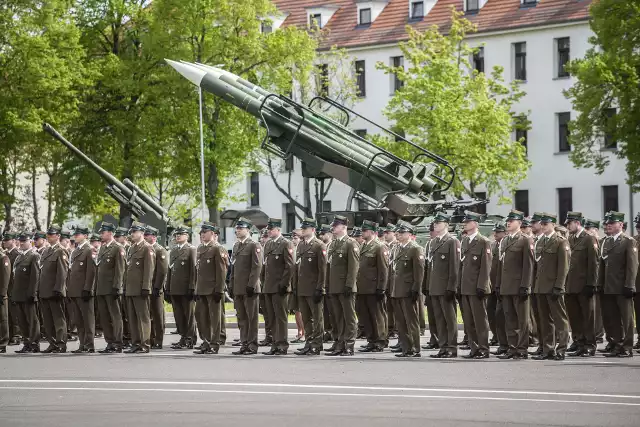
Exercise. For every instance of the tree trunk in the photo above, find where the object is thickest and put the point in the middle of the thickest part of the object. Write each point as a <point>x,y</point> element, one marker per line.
<point>34,198</point>
<point>49,199</point>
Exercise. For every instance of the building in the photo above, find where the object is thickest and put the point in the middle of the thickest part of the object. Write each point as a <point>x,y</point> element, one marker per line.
<point>530,39</point>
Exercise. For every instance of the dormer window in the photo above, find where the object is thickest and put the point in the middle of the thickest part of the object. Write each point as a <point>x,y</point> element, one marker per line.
<point>369,10</point>
<point>473,6</point>
<point>417,9</point>
<point>266,27</point>
<point>315,20</point>
<point>528,3</point>
<point>365,17</point>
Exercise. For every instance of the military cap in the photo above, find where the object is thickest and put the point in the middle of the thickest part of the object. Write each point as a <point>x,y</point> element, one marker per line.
<point>274,223</point>
<point>107,226</point>
<point>324,229</point>
<point>243,222</point>
<point>441,217</point>
<point>7,235</point>
<point>80,230</point>
<point>612,216</point>
<point>309,223</point>
<point>471,216</point>
<point>369,225</point>
<point>536,217</point>
<point>39,235</point>
<point>65,234</point>
<point>391,228</point>
<point>499,226</point>
<point>356,232</point>
<point>205,226</point>
<point>181,229</point>
<point>549,217</point>
<point>574,216</point>
<point>526,222</point>
<point>264,232</point>
<point>403,227</point>
<point>54,229</point>
<point>137,226</point>
<point>340,220</point>
<point>120,232</point>
<point>23,236</point>
<point>590,223</point>
<point>515,215</point>
<point>94,238</point>
<point>150,231</point>
<point>380,231</point>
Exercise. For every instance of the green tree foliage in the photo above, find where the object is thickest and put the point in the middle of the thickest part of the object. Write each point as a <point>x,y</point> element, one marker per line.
<point>608,77</point>
<point>465,117</point>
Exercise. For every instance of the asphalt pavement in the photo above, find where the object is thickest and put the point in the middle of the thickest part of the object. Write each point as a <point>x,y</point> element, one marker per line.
<point>176,388</point>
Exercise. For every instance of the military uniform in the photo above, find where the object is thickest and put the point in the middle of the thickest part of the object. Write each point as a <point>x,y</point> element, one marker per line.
<point>373,274</point>
<point>552,266</point>
<point>494,305</point>
<point>123,232</point>
<point>5,278</point>
<point>14,325</point>
<point>80,290</point>
<point>156,302</point>
<point>25,287</point>
<point>245,280</point>
<point>278,270</point>
<point>390,320</point>
<point>211,266</point>
<point>581,287</point>
<point>636,298</point>
<point>181,286</point>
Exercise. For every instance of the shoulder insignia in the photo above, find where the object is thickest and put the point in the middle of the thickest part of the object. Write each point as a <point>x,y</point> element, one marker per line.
<point>64,257</point>
<point>531,247</point>
<point>458,248</point>
<point>355,249</point>
<point>150,252</point>
<point>258,250</point>
<point>566,247</point>
<point>595,246</point>
<point>635,249</point>
<point>6,263</point>
<point>162,256</point>
<point>122,252</point>
<point>290,251</point>
<point>385,253</point>
<point>324,252</point>
<point>421,257</point>
<point>488,251</point>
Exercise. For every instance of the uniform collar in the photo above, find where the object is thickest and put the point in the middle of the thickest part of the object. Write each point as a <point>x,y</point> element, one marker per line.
<point>516,234</point>
<point>310,240</point>
<point>616,236</point>
<point>550,235</point>
<point>21,252</point>
<point>85,243</point>
<point>579,233</point>
<point>243,240</point>
<point>341,238</point>
<point>276,239</point>
<point>109,244</point>
<point>472,236</point>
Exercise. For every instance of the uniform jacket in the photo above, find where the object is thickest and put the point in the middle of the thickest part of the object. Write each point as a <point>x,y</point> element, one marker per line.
<point>552,263</point>
<point>82,271</point>
<point>278,265</point>
<point>583,266</point>
<point>618,264</point>
<point>211,267</point>
<point>444,259</point>
<point>182,269</point>
<point>54,266</point>
<point>637,239</point>
<point>391,247</point>
<point>12,254</point>
<point>25,275</point>
<point>312,266</point>
<point>343,265</point>
<point>161,267</point>
<point>373,273</point>
<point>475,265</point>
<point>110,268</point>
<point>495,264</point>
<point>516,260</point>
<point>408,269</point>
<point>141,262</point>
<point>247,266</point>
<point>5,274</point>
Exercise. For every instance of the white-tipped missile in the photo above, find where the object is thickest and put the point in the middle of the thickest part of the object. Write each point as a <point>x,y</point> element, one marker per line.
<point>193,74</point>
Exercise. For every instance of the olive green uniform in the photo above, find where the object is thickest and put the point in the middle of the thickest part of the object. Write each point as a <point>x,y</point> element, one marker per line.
<point>431,318</point>
<point>181,284</point>
<point>81,278</point>
<point>211,267</point>
<point>278,270</point>
<point>495,311</point>
<point>14,325</point>
<point>25,289</point>
<point>312,267</point>
<point>54,266</point>
<point>5,278</point>
<point>373,274</point>
<point>636,298</point>
<point>157,301</point>
<point>388,306</point>
<point>110,267</point>
<point>141,262</point>
<point>245,274</point>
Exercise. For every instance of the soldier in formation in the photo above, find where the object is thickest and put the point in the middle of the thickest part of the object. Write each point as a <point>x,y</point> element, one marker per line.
<point>156,301</point>
<point>181,283</point>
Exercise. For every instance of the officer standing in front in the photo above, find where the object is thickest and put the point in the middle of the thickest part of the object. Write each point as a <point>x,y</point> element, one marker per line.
<point>181,285</point>
<point>80,290</point>
<point>10,246</point>
<point>26,272</point>
<point>5,278</point>
<point>159,281</point>
<point>245,280</point>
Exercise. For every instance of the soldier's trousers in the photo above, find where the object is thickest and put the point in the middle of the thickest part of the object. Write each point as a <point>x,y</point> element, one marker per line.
<point>139,320</point>
<point>620,312</point>
<point>535,327</point>
<point>636,309</point>
<point>184,311</point>
<point>554,324</point>
<point>55,324</point>
<point>328,318</point>
<point>268,320</point>
<point>373,318</point>
<point>313,320</point>
<point>492,302</point>
<point>581,312</point>
<point>14,323</point>
<point>126,328</point>
<point>421,313</point>
<point>406,313</point>
<point>248,318</point>
<point>474,316</point>
<point>600,330</point>
<point>83,315</point>
<point>157,319</point>
<point>111,320</point>
<point>447,323</point>
<point>360,324</point>
<point>391,318</point>
<point>223,323</point>
<point>29,322</point>
<point>208,315</point>
<point>501,328</point>
<point>276,309</point>
<point>344,308</point>
<point>431,319</point>
<point>4,322</point>
<point>516,318</point>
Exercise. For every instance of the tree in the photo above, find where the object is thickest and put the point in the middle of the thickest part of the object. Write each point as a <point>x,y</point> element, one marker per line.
<point>608,78</point>
<point>465,117</point>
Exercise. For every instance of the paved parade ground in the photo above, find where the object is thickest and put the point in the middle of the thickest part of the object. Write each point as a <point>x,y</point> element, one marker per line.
<point>169,387</point>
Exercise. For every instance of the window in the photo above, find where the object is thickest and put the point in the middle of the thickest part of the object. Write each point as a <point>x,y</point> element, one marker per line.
<point>290,216</point>
<point>481,209</point>
<point>473,6</point>
<point>478,60</point>
<point>315,20</point>
<point>522,201</point>
<point>360,79</point>
<point>288,163</point>
<point>528,3</point>
<point>266,27</point>
<point>254,189</point>
<point>565,203</point>
<point>326,206</point>
<point>520,63</point>
<point>609,140</point>
<point>417,9</point>
<point>562,46</point>
<point>397,61</point>
<point>521,132</point>
<point>610,198</point>
<point>365,16</point>
<point>322,80</point>
<point>362,133</point>
<point>563,132</point>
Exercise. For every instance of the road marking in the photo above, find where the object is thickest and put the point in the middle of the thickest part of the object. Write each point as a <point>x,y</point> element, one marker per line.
<point>324,394</point>
<point>318,386</point>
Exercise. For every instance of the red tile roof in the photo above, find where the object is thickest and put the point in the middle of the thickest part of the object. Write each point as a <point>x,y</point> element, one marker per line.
<point>389,27</point>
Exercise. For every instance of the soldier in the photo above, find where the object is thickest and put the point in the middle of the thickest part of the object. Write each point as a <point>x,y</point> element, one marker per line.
<point>40,241</point>
<point>65,240</point>
<point>293,298</point>
<point>110,267</point>
<point>391,243</point>
<point>141,260</point>
<point>408,272</point>
<point>245,280</point>
<point>278,269</point>
<point>636,298</point>
<point>66,243</point>
<point>268,321</point>
<point>341,284</point>
<point>617,277</point>
<point>54,266</point>
<point>535,329</point>
<point>444,266</point>
<point>581,285</point>
<point>26,274</point>
<point>330,328</point>
<point>159,281</point>
<point>181,283</point>
<point>96,242</point>
<point>311,260</point>
<point>495,301</point>
<point>11,250</point>
<point>211,266</point>
<point>475,285</point>
<point>552,266</point>
<point>433,331</point>
<point>592,228</point>
<point>356,233</point>
<point>514,284</point>
<point>373,274</point>
<point>80,290</point>
<point>526,227</point>
<point>5,278</point>
<point>121,236</point>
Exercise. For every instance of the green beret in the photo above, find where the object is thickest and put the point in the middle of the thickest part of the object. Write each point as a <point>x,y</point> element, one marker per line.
<point>515,215</point>
<point>243,222</point>
<point>106,226</point>
<point>536,217</point>
<point>151,231</point>
<point>274,223</point>
<point>369,225</point>
<point>549,217</point>
<point>121,232</point>
<point>441,217</point>
<point>591,223</point>
<point>308,223</point>
<point>612,216</point>
<point>340,220</point>
<point>54,229</point>
<point>206,226</point>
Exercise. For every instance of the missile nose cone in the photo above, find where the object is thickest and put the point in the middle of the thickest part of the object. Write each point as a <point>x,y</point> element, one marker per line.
<point>206,68</point>
<point>189,71</point>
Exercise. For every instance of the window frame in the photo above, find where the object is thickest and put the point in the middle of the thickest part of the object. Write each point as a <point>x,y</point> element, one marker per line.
<point>563,148</point>
<point>478,58</point>
<point>562,193</point>
<point>360,12</point>
<point>414,6</point>
<point>396,83</point>
<point>560,61</point>
<point>520,61</point>
<point>361,79</point>
<point>318,18</point>
<point>517,205</point>
<point>468,9</point>
<point>608,141</point>
<point>254,184</point>
<point>605,196</point>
